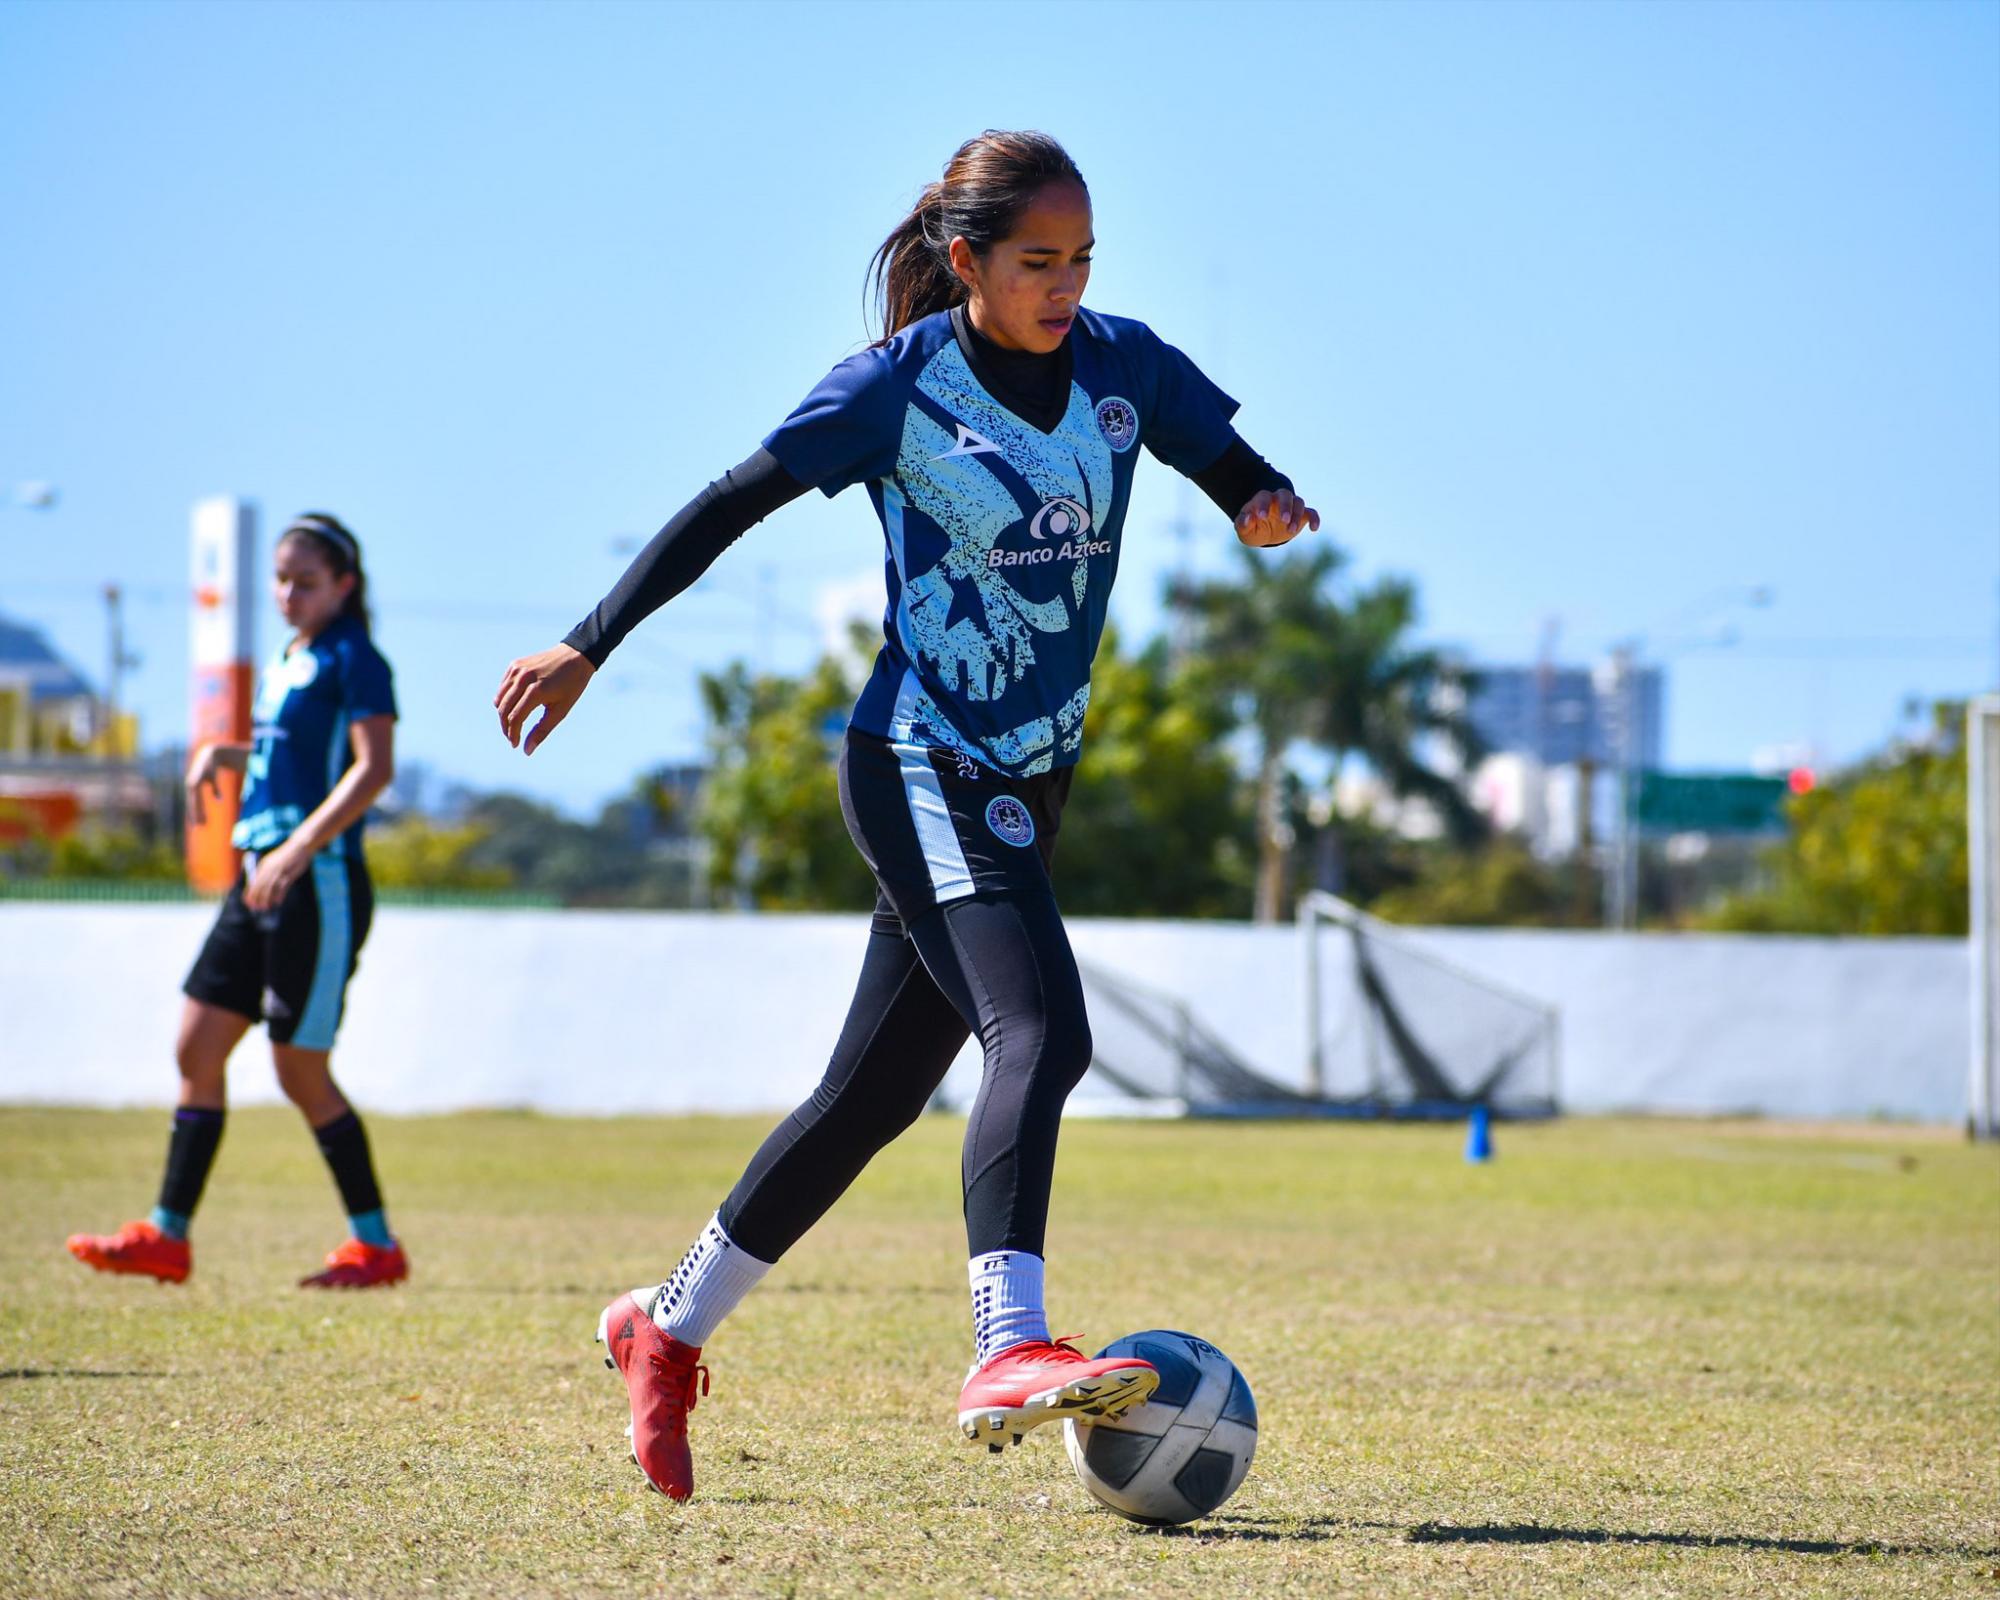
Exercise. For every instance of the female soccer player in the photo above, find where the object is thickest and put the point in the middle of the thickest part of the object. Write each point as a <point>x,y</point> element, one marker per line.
<point>994,428</point>
<point>284,946</point>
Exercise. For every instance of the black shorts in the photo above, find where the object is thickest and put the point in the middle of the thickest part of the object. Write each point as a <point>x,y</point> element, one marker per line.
<point>289,968</point>
<point>935,826</point>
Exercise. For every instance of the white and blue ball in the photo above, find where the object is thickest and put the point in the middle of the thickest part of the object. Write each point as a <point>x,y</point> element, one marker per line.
<point>1185,1451</point>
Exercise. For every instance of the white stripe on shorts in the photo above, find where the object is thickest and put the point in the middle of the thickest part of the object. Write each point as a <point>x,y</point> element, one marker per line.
<point>951,878</point>
<point>321,1017</point>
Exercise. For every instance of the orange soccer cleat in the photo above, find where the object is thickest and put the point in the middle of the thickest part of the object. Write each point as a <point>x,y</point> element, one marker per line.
<point>356,1265</point>
<point>660,1376</point>
<point>139,1248</point>
<point>1043,1380</point>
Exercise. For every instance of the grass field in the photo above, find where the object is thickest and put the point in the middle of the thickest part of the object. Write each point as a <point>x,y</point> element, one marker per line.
<point>1627,1358</point>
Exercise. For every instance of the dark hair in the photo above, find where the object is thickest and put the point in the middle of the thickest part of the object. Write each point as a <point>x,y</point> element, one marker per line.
<point>987,184</point>
<point>342,551</point>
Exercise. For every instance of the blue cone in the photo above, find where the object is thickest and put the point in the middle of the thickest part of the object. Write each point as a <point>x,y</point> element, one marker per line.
<point>1479,1135</point>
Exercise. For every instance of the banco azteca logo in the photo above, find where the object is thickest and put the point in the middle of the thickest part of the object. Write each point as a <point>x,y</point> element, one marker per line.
<point>1062,517</point>
<point>1010,821</point>
<point>1063,520</point>
<point>1118,421</point>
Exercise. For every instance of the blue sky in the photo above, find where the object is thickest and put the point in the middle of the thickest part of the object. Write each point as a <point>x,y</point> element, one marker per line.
<point>1596,313</point>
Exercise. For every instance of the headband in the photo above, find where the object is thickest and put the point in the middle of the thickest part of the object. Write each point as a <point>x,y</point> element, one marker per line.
<point>333,533</point>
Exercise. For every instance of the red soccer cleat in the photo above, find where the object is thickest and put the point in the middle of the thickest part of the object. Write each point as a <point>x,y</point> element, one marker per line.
<point>660,1377</point>
<point>1039,1381</point>
<point>139,1248</point>
<point>360,1266</point>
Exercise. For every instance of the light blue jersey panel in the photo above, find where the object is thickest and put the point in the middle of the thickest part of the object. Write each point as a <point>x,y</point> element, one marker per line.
<point>1002,539</point>
<point>307,701</point>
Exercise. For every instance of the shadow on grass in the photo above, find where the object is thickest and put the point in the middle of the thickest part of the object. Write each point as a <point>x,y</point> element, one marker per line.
<point>72,1372</point>
<point>1315,1530</point>
<point>1265,1530</point>
<point>562,1291</point>
<point>1533,1533</point>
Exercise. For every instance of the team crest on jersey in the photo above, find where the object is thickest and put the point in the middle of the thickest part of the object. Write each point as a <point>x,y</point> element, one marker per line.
<point>1010,821</point>
<point>1118,422</point>
<point>300,668</point>
<point>1061,517</point>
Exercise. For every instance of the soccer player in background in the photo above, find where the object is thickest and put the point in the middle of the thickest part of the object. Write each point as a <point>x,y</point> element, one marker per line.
<point>994,427</point>
<point>284,945</point>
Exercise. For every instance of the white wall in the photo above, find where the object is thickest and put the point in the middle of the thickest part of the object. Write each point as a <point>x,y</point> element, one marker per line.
<point>631,1011</point>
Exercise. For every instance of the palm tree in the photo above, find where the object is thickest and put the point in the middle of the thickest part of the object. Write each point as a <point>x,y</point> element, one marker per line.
<point>1298,662</point>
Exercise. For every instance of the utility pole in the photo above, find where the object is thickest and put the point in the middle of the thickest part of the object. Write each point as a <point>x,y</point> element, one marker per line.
<point>1620,882</point>
<point>1586,799</point>
<point>1181,639</point>
<point>118,661</point>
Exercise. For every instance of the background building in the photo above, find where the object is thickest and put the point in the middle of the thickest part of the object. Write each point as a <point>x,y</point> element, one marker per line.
<point>65,755</point>
<point>1565,715</point>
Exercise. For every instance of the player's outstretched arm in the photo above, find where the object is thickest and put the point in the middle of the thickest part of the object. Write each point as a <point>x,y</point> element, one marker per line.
<point>1274,517</point>
<point>554,680</point>
<point>1254,495</point>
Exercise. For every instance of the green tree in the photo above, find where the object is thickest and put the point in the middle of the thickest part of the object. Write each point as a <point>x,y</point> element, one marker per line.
<point>601,863</point>
<point>771,809</point>
<point>414,852</point>
<point>1300,659</point>
<point>1881,849</point>
<point>1156,824</point>
<point>97,853</point>
<point>1499,884</point>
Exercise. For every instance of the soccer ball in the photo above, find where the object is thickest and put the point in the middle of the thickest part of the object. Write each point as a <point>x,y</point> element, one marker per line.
<point>1183,1452</point>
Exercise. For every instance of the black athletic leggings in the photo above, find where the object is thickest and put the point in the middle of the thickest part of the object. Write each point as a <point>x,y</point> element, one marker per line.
<point>1000,964</point>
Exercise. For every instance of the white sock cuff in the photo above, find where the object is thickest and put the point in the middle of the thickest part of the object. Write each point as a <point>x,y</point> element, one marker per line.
<point>1006,1301</point>
<point>711,1280</point>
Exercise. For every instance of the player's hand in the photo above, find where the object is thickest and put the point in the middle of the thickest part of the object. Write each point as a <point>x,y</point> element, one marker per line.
<point>553,680</point>
<point>1274,518</point>
<point>277,870</point>
<point>204,775</point>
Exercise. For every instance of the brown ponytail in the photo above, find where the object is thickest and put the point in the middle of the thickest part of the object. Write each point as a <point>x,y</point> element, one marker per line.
<point>987,184</point>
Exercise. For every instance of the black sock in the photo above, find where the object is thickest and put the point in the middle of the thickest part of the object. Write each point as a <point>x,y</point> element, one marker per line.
<point>190,1153</point>
<point>344,1143</point>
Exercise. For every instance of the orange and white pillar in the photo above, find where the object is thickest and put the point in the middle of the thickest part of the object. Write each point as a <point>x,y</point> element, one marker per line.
<point>222,640</point>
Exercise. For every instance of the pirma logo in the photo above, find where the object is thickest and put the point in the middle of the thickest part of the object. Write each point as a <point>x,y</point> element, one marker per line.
<point>1010,821</point>
<point>1118,422</point>
<point>1062,517</point>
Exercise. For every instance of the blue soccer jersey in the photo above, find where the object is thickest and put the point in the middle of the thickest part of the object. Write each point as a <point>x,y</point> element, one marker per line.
<point>306,702</point>
<point>1003,538</point>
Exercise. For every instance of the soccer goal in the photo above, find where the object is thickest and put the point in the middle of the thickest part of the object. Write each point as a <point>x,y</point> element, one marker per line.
<point>1395,1030</point>
<point>1152,1056</point>
<point>1982,749</point>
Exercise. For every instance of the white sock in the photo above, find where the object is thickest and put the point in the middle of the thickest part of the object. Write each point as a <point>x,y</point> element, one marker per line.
<point>713,1276</point>
<point>1006,1302</point>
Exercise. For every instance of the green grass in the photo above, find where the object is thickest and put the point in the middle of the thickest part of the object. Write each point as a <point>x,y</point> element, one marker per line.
<point>1630,1359</point>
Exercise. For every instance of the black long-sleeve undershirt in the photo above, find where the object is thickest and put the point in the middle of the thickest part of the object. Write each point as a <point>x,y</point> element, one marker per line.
<point>686,548</point>
<point>750,491</point>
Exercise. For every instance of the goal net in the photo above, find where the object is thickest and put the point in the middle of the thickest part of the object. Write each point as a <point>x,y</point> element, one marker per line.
<point>1152,1056</point>
<point>1395,1030</point>
<point>1392,1031</point>
<point>1982,741</point>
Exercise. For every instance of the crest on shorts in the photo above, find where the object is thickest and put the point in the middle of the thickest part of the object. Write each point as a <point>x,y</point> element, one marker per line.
<point>1010,821</point>
<point>1118,422</point>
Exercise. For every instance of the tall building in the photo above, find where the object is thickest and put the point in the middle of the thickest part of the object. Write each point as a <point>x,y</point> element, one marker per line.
<point>1565,715</point>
